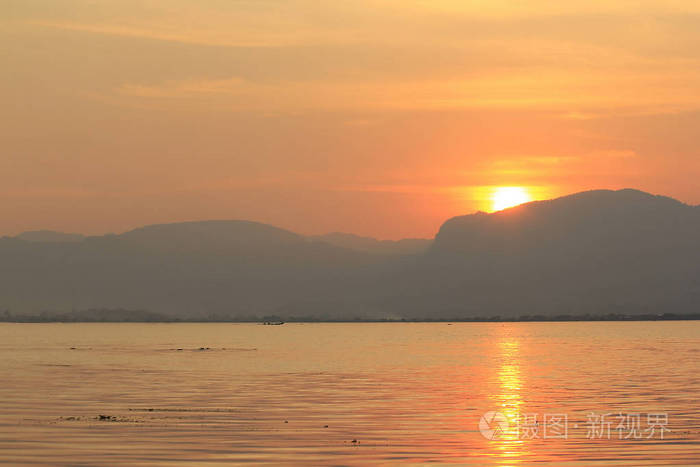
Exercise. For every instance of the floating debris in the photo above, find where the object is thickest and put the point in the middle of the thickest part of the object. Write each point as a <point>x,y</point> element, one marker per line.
<point>195,410</point>
<point>69,419</point>
<point>202,349</point>
<point>110,418</point>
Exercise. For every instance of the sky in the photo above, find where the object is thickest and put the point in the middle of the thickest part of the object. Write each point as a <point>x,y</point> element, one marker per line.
<point>376,117</point>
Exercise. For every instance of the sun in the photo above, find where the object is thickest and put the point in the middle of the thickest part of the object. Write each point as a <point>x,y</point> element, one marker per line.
<point>508,196</point>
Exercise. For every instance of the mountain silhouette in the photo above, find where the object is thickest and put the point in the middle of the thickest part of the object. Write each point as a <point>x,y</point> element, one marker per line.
<point>194,269</point>
<point>404,246</point>
<point>600,251</point>
<point>50,236</point>
<point>211,235</point>
<point>591,253</point>
<point>624,219</point>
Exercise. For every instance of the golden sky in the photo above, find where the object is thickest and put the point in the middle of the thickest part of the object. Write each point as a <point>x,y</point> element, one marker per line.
<point>378,117</point>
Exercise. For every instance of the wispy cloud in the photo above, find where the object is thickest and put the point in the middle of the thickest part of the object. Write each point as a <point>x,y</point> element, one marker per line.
<point>543,90</point>
<point>202,38</point>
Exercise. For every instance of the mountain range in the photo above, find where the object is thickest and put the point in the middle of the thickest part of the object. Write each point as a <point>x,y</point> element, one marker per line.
<point>594,252</point>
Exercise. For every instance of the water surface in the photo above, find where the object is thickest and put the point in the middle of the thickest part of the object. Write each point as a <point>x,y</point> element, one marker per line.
<point>300,394</point>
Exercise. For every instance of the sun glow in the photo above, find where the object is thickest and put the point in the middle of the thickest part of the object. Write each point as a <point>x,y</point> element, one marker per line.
<point>508,196</point>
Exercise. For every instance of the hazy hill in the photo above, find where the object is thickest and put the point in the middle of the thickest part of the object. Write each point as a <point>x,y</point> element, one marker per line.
<point>594,252</point>
<point>406,246</point>
<point>219,235</point>
<point>50,236</point>
<point>188,269</point>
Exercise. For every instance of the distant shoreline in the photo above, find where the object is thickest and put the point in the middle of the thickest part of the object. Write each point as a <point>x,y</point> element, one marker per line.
<point>309,320</point>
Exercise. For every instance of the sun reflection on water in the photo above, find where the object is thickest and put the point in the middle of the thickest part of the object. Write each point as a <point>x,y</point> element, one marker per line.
<point>508,446</point>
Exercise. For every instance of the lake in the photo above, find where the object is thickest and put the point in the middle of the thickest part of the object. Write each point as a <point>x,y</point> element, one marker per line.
<point>605,393</point>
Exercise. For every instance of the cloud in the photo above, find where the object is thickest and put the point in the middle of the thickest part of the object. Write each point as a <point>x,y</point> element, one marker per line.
<point>206,38</point>
<point>562,170</point>
<point>551,90</point>
<point>574,57</point>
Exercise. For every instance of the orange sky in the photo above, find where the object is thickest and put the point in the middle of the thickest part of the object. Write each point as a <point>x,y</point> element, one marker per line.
<point>378,117</point>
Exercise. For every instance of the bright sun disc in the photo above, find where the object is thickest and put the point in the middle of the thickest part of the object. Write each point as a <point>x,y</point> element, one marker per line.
<point>508,196</point>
